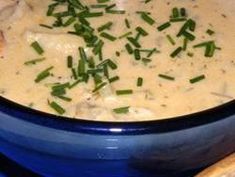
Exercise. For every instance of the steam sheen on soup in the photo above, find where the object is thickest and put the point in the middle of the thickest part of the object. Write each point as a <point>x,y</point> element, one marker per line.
<point>117,60</point>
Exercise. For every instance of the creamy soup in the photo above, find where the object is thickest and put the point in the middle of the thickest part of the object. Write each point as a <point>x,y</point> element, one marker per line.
<point>118,60</point>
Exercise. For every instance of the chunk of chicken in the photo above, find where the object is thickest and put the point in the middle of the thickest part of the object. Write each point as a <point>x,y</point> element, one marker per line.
<point>12,9</point>
<point>7,8</point>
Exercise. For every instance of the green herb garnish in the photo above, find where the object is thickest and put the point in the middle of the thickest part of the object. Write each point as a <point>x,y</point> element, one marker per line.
<point>197,79</point>
<point>57,107</point>
<point>163,76</point>
<point>140,81</point>
<point>36,46</point>
<point>43,75</point>
<point>124,92</point>
<point>122,110</point>
<point>34,61</point>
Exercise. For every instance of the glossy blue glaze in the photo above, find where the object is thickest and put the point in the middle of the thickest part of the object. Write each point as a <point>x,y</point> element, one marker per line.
<point>58,147</point>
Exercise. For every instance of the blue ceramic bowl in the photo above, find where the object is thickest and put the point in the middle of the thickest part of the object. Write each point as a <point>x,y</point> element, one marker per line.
<point>59,147</point>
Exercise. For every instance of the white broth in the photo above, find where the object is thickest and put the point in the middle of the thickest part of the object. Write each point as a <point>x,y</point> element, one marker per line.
<point>118,60</point>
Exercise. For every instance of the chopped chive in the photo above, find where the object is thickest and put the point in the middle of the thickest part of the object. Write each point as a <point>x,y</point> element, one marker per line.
<point>98,47</point>
<point>112,65</point>
<point>134,42</point>
<point>175,13</point>
<point>147,18</point>
<point>58,22</point>
<point>164,26</point>
<point>185,44</point>
<point>113,79</point>
<point>36,46</point>
<point>154,50</point>
<point>82,54</point>
<point>189,24</point>
<point>163,76</point>
<point>88,14</point>
<point>51,9</point>
<point>85,77</point>
<point>70,21</point>
<point>108,62</point>
<point>139,82</point>
<point>105,26</point>
<point>74,84</point>
<point>117,53</point>
<point>100,55</point>
<point>57,107</point>
<point>146,60</point>
<point>129,48</point>
<point>99,87</point>
<point>97,79</point>
<point>81,67</point>
<point>116,11</point>
<point>141,31</point>
<point>77,4</point>
<point>146,12</point>
<point>190,54</point>
<point>91,62</point>
<point>210,48</point>
<point>59,15</point>
<point>147,1</point>
<point>65,98</point>
<point>108,36</point>
<point>203,44</point>
<point>83,21</point>
<point>122,110</point>
<point>176,52</point>
<point>102,1</point>
<point>74,72</point>
<point>94,71</point>
<point>210,32</point>
<point>125,35</point>
<point>96,6</point>
<point>111,6</point>
<point>46,26</point>
<point>58,92</point>
<point>34,61</point>
<point>197,79</point>
<point>145,50</point>
<point>127,23</point>
<point>103,63</point>
<point>43,75</point>
<point>137,54</point>
<point>183,12</point>
<point>124,92</point>
<point>170,39</point>
<point>149,51</point>
<point>110,10</point>
<point>60,86</point>
<point>189,36</point>
<point>69,61</point>
<point>173,20</point>
<point>137,37</point>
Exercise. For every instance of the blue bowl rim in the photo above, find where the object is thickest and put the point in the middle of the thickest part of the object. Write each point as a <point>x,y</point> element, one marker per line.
<point>118,128</point>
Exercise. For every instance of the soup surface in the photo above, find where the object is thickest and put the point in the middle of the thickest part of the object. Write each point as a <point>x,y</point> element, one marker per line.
<point>118,60</point>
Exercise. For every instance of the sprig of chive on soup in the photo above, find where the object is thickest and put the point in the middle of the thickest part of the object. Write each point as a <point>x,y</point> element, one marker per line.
<point>117,60</point>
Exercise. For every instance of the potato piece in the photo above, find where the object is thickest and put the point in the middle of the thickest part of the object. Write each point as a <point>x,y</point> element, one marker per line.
<point>59,43</point>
